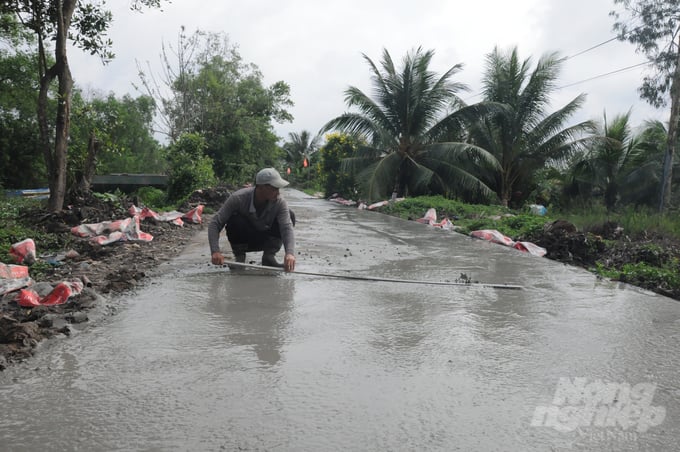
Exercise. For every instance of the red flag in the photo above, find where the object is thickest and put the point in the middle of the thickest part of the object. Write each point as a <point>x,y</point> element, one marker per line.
<point>305,163</point>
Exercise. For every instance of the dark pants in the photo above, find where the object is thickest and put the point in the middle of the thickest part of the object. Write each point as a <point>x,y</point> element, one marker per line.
<point>243,237</point>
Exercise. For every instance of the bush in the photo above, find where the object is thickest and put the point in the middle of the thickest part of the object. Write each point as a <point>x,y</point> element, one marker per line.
<point>190,169</point>
<point>152,197</point>
<point>336,180</point>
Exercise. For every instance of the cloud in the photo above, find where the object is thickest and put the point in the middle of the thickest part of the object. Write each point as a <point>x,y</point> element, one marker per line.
<point>316,47</point>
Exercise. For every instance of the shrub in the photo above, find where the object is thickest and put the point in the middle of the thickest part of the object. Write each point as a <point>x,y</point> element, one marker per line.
<point>152,197</point>
<point>190,168</point>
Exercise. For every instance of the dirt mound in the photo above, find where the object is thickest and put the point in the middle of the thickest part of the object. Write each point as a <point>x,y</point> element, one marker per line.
<point>565,243</point>
<point>609,246</point>
<point>212,198</point>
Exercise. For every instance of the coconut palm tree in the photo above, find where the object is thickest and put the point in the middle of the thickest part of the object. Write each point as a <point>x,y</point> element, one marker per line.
<point>300,147</point>
<point>620,161</point>
<point>524,137</point>
<point>412,125</point>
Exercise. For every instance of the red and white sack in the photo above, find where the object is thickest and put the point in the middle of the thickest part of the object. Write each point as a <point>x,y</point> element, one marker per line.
<point>23,252</point>
<point>59,295</point>
<point>531,248</point>
<point>493,236</point>
<point>194,215</point>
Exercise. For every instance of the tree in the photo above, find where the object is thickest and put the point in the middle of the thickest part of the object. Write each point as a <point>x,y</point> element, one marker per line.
<point>21,163</point>
<point>338,147</point>
<point>214,93</point>
<point>60,21</point>
<point>617,159</point>
<point>111,135</point>
<point>171,89</point>
<point>524,137</point>
<point>299,151</point>
<point>190,168</point>
<point>409,129</point>
<point>654,26</point>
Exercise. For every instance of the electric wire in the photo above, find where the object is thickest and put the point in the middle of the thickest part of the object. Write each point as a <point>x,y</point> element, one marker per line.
<point>595,77</point>
<point>605,74</point>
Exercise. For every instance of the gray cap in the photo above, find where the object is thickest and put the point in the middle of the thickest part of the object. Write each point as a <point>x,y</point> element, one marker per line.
<point>269,176</point>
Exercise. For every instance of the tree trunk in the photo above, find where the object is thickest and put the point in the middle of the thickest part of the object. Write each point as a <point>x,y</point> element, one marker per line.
<point>93,147</point>
<point>665,197</point>
<point>63,121</point>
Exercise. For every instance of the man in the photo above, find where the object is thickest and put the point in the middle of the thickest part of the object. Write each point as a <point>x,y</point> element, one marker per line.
<point>256,219</point>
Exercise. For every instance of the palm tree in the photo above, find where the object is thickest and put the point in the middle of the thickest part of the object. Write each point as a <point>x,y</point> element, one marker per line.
<point>619,160</point>
<point>300,148</point>
<point>524,137</point>
<point>412,127</point>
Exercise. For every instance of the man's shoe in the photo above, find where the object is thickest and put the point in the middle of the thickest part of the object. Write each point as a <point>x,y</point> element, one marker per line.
<point>239,257</point>
<point>268,260</point>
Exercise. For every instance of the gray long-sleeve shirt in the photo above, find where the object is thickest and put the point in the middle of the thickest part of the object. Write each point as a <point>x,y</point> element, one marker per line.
<point>242,202</point>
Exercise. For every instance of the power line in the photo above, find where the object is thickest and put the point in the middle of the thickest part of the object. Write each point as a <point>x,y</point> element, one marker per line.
<point>591,48</point>
<point>605,75</point>
<point>589,78</point>
<point>596,76</point>
<point>615,38</point>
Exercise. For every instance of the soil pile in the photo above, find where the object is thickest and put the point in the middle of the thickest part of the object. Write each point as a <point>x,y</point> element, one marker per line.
<point>608,245</point>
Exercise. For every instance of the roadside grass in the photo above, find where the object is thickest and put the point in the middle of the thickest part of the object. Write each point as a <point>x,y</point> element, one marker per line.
<point>470,217</point>
<point>633,220</point>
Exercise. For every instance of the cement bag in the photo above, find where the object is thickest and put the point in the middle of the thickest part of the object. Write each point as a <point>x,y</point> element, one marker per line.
<point>493,236</point>
<point>194,215</point>
<point>23,252</point>
<point>13,271</point>
<point>530,248</point>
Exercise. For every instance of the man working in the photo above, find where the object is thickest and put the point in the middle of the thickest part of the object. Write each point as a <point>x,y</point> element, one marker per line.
<point>256,219</point>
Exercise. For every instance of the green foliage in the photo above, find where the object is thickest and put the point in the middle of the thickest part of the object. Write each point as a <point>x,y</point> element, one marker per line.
<point>619,164</point>
<point>190,168</point>
<point>524,136</point>
<point>468,217</point>
<point>633,220</point>
<point>521,226</point>
<point>123,130</point>
<point>108,197</point>
<point>21,161</point>
<point>548,188</point>
<point>335,178</point>
<point>412,129</point>
<point>152,197</point>
<point>302,159</point>
<point>644,275</point>
<point>216,94</point>
<point>652,25</point>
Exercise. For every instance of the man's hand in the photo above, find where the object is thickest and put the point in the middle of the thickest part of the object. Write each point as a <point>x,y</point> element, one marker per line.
<point>217,258</point>
<point>289,263</point>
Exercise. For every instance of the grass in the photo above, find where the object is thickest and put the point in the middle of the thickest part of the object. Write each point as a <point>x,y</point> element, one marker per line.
<point>633,220</point>
<point>470,217</point>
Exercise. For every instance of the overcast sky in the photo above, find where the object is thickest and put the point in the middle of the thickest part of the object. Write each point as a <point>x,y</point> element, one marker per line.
<point>316,47</point>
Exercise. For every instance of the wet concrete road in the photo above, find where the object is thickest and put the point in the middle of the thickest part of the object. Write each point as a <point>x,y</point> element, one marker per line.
<point>208,359</point>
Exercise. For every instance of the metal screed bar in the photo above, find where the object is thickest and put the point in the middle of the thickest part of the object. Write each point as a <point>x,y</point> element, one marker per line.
<point>372,278</point>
